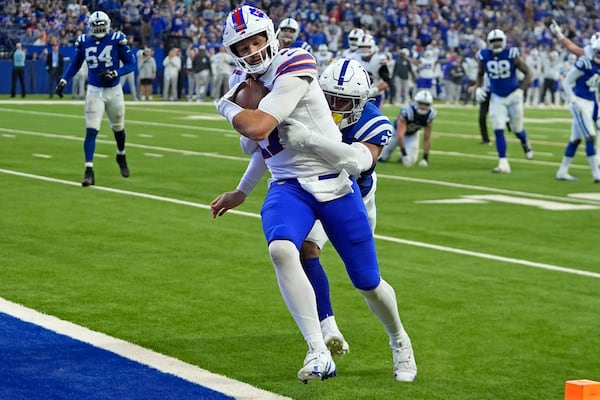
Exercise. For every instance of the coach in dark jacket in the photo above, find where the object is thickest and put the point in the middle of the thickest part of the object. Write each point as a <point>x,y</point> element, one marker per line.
<point>55,62</point>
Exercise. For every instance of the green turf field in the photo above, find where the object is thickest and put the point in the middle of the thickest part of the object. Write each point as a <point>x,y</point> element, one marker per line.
<point>487,268</point>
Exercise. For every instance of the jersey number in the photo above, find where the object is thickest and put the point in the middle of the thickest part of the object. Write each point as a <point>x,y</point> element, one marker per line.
<point>94,60</point>
<point>498,69</point>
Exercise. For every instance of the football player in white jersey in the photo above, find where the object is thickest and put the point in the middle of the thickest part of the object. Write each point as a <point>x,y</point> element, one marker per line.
<point>353,37</point>
<point>307,184</point>
<point>376,65</point>
<point>581,85</point>
<point>506,91</point>
<point>408,124</point>
<point>323,57</point>
<point>534,62</point>
<point>102,49</point>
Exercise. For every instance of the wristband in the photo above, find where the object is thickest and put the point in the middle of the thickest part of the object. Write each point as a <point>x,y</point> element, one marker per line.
<point>228,109</point>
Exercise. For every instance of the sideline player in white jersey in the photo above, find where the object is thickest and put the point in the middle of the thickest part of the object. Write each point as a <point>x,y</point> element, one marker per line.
<point>376,64</point>
<point>353,37</point>
<point>408,124</point>
<point>426,67</point>
<point>506,101</point>
<point>324,57</point>
<point>288,32</point>
<point>534,62</point>
<point>581,85</point>
<point>307,184</point>
<point>102,49</point>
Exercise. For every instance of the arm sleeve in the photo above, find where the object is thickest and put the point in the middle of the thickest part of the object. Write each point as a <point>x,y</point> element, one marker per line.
<point>254,173</point>
<point>284,97</point>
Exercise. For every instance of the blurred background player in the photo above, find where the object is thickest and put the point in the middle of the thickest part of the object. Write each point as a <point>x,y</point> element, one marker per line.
<point>324,57</point>
<point>353,37</point>
<point>506,98</point>
<point>580,85</point>
<point>288,34</point>
<point>376,65</point>
<point>550,73</point>
<point>534,62</point>
<point>403,78</point>
<point>411,119</point>
<point>102,51</point>
<point>78,83</point>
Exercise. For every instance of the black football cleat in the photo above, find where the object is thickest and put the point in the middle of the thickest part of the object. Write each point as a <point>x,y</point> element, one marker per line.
<point>88,177</point>
<point>122,161</point>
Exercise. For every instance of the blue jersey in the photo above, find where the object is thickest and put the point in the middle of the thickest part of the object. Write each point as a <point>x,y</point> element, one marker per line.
<point>301,44</point>
<point>587,84</point>
<point>415,120</point>
<point>372,127</point>
<point>501,69</point>
<point>102,54</point>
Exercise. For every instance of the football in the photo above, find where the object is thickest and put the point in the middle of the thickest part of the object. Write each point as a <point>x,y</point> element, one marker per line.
<point>250,94</point>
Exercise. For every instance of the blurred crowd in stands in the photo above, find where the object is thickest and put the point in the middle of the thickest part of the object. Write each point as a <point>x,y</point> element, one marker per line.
<point>452,29</point>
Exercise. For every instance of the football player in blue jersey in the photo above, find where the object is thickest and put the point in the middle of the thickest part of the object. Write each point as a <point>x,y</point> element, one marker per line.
<point>287,33</point>
<point>101,49</point>
<point>580,86</point>
<point>411,119</point>
<point>506,102</point>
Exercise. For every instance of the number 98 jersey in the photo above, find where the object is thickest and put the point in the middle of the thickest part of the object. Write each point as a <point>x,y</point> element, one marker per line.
<point>501,70</point>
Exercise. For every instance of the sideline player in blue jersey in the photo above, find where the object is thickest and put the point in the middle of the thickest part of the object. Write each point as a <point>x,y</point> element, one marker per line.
<point>102,50</point>
<point>411,118</point>
<point>306,184</point>
<point>580,85</point>
<point>506,101</point>
<point>288,32</point>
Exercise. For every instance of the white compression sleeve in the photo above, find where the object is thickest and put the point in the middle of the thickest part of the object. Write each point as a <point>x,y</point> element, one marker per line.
<point>354,158</point>
<point>254,172</point>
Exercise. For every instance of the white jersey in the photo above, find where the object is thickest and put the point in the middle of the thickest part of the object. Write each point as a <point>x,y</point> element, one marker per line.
<point>535,66</point>
<point>348,53</point>
<point>373,65</point>
<point>323,60</point>
<point>426,68</point>
<point>288,69</point>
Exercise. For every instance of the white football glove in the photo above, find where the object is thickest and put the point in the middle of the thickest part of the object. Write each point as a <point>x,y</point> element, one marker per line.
<point>293,133</point>
<point>556,30</point>
<point>423,163</point>
<point>408,161</point>
<point>480,95</point>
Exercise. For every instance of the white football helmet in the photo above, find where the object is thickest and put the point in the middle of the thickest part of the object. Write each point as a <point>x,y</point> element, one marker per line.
<point>243,23</point>
<point>423,100</point>
<point>290,34</point>
<point>353,38</point>
<point>534,53</point>
<point>346,86</point>
<point>323,49</point>
<point>99,24</point>
<point>496,41</point>
<point>366,45</point>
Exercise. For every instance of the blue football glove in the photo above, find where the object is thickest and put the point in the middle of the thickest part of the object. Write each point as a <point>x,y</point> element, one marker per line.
<point>107,76</point>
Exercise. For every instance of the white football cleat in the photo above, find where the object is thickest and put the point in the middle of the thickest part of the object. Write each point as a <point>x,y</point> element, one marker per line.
<point>405,366</point>
<point>334,340</point>
<point>503,167</point>
<point>564,176</point>
<point>318,365</point>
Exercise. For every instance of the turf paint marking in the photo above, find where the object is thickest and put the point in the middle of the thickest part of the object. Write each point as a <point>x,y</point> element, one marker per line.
<point>485,198</point>
<point>39,155</point>
<point>169,365</point>
<point>508,260</point>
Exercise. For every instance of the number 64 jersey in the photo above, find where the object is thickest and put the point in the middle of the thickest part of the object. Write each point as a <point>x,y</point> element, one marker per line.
<point>102,54</point>
<point>501,70</point>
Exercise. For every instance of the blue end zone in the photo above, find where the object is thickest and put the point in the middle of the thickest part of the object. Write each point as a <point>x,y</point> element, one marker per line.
<point>36,363</point>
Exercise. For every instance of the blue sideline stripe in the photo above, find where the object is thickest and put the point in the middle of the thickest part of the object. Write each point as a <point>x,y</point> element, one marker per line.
<point>36,363</point>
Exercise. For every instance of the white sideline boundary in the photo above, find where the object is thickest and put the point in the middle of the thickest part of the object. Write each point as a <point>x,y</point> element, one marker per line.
<point>141,355</point>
